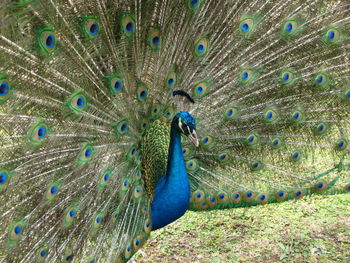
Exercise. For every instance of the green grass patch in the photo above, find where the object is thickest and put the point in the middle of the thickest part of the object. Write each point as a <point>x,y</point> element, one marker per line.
<point>313,229</point>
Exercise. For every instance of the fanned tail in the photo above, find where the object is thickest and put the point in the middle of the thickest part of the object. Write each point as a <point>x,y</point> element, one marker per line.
<point>274,106</point>
<point>70,178</point>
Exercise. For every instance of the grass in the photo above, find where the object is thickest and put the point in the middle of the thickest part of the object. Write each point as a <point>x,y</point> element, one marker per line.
<point>313,230</point>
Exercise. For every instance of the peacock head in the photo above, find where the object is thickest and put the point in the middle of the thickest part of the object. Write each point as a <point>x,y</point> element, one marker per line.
<point>186,124</point>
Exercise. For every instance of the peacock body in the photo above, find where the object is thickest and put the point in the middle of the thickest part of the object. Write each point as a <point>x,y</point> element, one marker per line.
<point>93,149</point>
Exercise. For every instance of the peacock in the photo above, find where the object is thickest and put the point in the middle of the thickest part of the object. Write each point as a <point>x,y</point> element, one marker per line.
<point>116,117</point>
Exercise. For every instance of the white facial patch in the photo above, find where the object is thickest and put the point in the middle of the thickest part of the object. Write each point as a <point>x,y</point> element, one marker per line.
<point>189,131</point>
<point>180,125</point>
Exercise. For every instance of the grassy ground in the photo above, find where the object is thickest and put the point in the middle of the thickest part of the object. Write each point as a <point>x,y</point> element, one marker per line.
<point>314,229</point>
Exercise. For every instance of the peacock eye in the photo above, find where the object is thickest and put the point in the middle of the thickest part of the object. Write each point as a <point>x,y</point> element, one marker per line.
<point>47,40</point>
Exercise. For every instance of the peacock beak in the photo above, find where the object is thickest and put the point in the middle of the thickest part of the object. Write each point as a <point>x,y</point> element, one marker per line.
<point>194,138</point>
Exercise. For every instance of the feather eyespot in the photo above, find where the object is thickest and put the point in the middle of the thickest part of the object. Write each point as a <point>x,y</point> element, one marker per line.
<point>256,166</point>
<point>192,165</point>
<point>207,140</point>
<point>128,25</point>
<point>287,77</point>
<point>271,115</point>
<point>121,127</point>
<point>169,113</point>
<point>171,79</point>
<point>70,216</point>
<point>194,3</point>
<point>50,41</point>
<point>231,112</point>
<point>333,35</point>
<point>5,89</point>
<point>211,200</point>
<point>201,89</point>
<point>154,39</point>
<point>276,143</point>
<point>138,191</point>
<point>281,195</point>
<point>86,154</point>
<point>263,199</point>
<point>138,175</point>
<point>222,197</point>
<point>145,210</point>
<point>291,28</point>
<point>47,40</point>
<point>298,194</point>
<point>132,153</point>
<point>252,140</point>
<point>347,187</point>
<point>198,196</point>
<point>224,157</point>
<point>116,215</point>
<point>52,191</point>
<point>125,185</point>
<point>93,29</point>
<point>346,96</point>
<point>155,109</point>
<point>341,145</point>
<point>69,258</point>
<point>247,26</point>
<point>148,226</point>
<point>320,187</point>
<point>249,196</point>
<point>5,178</point>
<point>137,243</point>
<point>247,75</point>
<point>104,179</point>
<point>115,83</point>
<point>296,156</point>
<point>321,129</point>
<point>42,254</point>
<point>128,251</point>
<point>77,102</point>
<point>186,151</point>
<point>236,197</point>
<point>297,117</point>
<point>322,81</point>
<point>38,133</point>
<point>201,47</point>
<point>16,232</point>
<point>97,221</point>
<point>142,92</point>
<point>90,27</point>
<point>144,124</point>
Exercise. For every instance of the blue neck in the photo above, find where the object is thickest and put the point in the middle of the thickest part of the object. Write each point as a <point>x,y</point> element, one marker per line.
<point>176,168</point>
<point>172,195</point>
